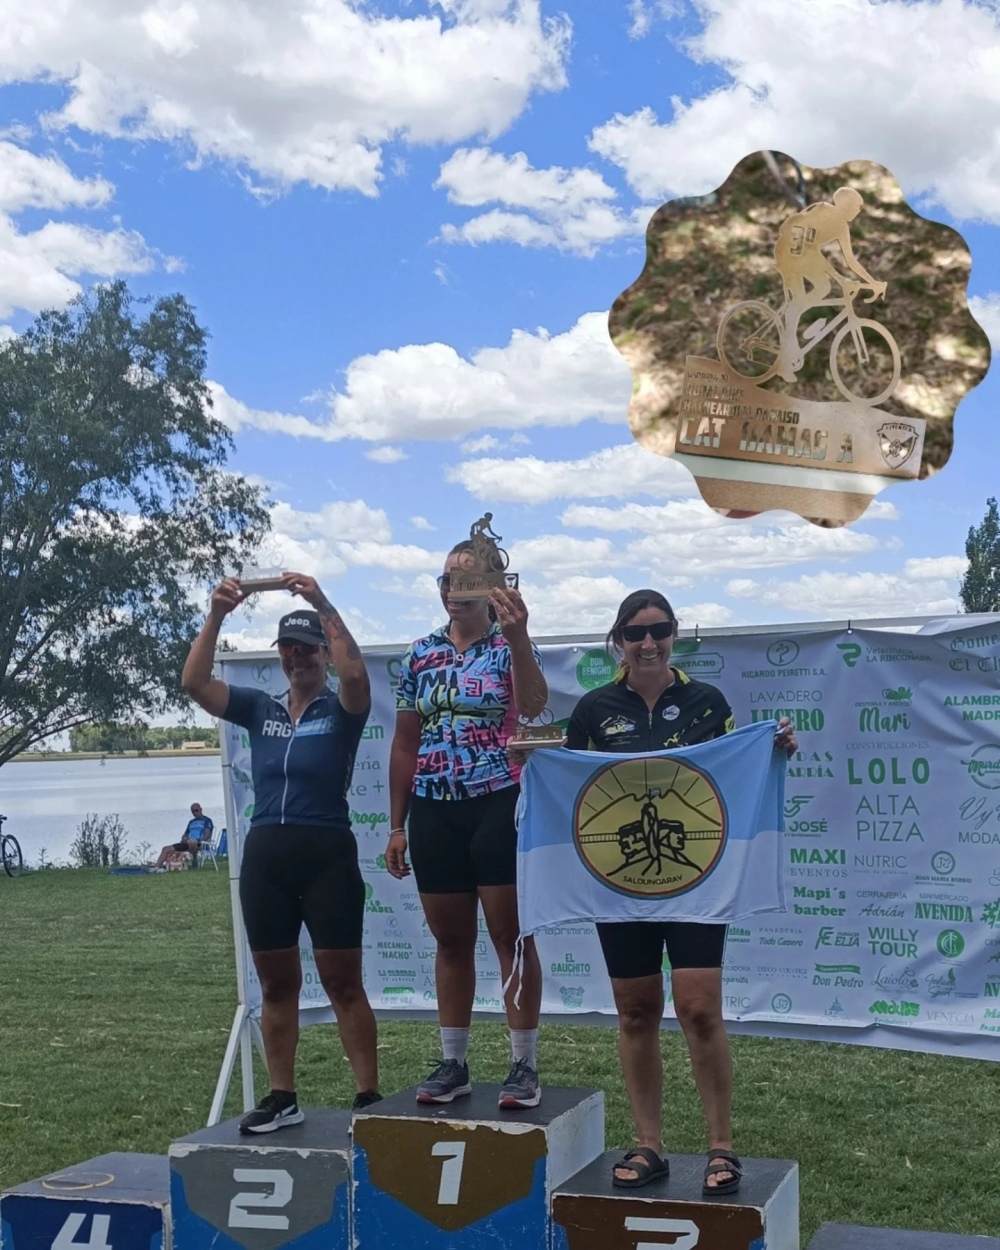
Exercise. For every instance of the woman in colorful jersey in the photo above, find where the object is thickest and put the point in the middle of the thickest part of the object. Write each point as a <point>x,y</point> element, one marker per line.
<point>453,792</point>
<point>300,859</point>
<point>651,706</point>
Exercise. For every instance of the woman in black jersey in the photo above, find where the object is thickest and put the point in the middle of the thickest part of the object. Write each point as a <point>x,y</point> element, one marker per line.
<point>648,707</point>
<point>300,858</point>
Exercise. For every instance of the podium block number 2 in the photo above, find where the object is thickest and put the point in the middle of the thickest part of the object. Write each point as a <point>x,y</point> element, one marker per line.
<point>100,1224</point>
<point>685,1234</point>
<point>453,1153</point>
<point>241,1214</point>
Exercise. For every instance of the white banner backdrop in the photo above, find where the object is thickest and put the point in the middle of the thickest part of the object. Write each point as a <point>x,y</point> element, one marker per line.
<point>892,839</point>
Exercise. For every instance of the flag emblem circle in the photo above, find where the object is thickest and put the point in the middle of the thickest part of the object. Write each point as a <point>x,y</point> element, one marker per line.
<point>650,828</point>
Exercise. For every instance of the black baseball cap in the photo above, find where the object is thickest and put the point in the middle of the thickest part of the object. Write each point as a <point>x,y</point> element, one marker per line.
<point>302,626</point>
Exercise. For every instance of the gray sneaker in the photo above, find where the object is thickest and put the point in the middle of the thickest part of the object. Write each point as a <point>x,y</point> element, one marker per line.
<point>450,1079</point>
<point>521,1088</point>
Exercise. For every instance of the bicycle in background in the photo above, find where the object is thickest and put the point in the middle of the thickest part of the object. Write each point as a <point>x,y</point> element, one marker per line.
<point>10,852</point>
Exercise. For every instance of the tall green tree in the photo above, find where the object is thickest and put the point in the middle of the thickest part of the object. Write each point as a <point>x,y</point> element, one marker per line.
<point>980,589</point>
<point>115,506</point>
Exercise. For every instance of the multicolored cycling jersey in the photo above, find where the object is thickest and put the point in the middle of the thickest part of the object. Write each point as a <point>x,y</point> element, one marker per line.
<point>466,709</point>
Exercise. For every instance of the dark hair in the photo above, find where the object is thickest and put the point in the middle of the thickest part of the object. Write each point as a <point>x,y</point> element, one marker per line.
<point>494,565</point>
<point>630,606</point>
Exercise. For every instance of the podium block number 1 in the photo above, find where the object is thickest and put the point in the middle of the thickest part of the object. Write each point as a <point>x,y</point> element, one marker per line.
<point>453,1153</point>
<point>240,1213</point>
<point>685,1233</point>
<point>99,1227</point>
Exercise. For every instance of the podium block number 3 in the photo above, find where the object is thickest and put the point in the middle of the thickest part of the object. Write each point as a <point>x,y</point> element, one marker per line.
<point>100,1224</point>
<point>453,1153</point>
<point>685,1234</point>
<point>240,1213</point>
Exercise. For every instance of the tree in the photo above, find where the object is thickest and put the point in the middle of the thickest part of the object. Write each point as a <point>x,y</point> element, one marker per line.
<point>980,589</point>
<point>115,507</point>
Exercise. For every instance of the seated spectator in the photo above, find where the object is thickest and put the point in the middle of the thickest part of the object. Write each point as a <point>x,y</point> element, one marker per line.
<point>199,829</point>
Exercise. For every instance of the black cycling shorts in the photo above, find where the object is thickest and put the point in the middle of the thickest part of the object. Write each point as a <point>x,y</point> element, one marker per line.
<point>634,948</point>
<point>457,845</point>
<point>298,874</point>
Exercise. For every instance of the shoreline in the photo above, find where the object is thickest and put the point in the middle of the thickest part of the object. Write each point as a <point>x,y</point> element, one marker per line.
<point>50,757</point>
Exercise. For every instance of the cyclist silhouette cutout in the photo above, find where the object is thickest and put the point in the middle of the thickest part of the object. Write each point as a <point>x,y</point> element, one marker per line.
<point>650,839</point>
<point>766,341</point>
<point>484,543</point>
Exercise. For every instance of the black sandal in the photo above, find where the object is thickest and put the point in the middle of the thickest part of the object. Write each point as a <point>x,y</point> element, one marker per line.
<point>649,1167</point>
<point>733,1166</point>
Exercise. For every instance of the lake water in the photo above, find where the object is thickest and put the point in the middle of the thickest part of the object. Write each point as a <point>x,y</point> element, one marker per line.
<point>46,801</point>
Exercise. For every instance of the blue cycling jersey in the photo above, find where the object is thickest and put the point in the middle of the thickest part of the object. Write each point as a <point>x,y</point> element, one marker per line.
<point>199,829</point>
<point>301,773</point>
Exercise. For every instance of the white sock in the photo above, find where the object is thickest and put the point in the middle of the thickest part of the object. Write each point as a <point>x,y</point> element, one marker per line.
<point>455,1044</point>
<point>524,1045</point>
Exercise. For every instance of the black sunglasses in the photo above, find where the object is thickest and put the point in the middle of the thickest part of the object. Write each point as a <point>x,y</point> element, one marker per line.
<point>444,581</point>
<point>658,631</point>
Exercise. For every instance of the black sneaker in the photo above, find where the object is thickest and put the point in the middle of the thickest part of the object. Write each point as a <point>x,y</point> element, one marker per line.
<point>275,1110</point>
<point>450,1079</point>
<point>521,1088</point>
<point>365,1099</point>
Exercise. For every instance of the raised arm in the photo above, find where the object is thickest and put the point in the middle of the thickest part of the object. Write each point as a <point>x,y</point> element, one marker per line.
<point>197,680</point>
<point>345,654</point>
<point>530,688</point>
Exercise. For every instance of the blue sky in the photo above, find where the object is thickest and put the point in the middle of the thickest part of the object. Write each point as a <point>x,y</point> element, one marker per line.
<point>403,224</point>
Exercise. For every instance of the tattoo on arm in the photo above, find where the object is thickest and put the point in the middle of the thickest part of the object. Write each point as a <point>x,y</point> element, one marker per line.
<point>338,631</point>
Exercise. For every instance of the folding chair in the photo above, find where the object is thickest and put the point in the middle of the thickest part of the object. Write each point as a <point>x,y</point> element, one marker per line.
<point>209,849</point>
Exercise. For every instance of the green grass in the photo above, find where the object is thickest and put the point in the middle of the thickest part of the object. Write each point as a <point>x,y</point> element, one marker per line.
<point>117,993</point>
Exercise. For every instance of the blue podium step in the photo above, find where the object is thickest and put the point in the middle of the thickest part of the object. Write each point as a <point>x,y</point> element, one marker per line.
<point>465,1175</point>
<point>113,1202</point>
<point>264,1191</point>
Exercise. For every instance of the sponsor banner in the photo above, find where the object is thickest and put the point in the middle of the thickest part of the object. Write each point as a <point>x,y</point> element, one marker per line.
<point>890,855</point>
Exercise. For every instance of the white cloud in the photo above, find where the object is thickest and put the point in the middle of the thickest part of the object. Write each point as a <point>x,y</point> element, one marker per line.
<point>430,391</point>
<point>698,553</point>
<point>556,555</point>
<point>643,15</point>
<point>613,472</point>
<point>341,535</point>
<point>476,446</point>
<point>570,209</point>
<point>809,79</point>
<point>386,455</point>
<point>37,270</point>
<point>420,523</point>
<point>986,310</point>
<point>931,568</point>
<point>833,596</point>
<point>677,516</point>
<point>581,604</point>
<point>577,604</point>
<point>346,521</point>
<point>30,181</point>
<point>297,92</point>
<point>881,510</point>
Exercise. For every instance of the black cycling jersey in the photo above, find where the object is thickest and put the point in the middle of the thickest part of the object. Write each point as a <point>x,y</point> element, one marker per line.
<point>615,718</point>
<point>301,773</point>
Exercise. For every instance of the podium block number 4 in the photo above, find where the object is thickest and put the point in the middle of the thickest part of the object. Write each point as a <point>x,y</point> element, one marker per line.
<point>453,1153</point>
<point>100,1224</point>
<point>685,1234</point>
<point>240,1213</point>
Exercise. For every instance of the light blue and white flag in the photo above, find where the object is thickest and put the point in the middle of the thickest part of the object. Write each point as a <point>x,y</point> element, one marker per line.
<point>693,833</point>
